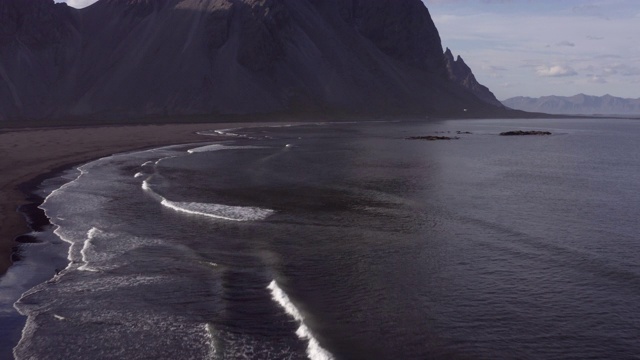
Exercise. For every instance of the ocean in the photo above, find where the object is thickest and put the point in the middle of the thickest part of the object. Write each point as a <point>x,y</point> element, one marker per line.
<point>347,241</point>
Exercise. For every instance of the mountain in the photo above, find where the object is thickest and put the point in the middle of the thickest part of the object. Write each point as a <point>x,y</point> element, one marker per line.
<point>580,104</point>
<point>460,73</point>
<point>135,58</point>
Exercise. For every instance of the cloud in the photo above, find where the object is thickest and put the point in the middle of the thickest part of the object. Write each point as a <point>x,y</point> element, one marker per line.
<point>566,43</point>
<point>595,79</point>
<point>555,71</point>
<point>78,3</point>
<point>626,70</point>
<point>494,68</point>
<point>590,11</point>
<point>510,36</point>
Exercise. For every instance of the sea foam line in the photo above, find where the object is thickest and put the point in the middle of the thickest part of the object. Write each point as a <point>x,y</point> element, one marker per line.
<point>314,350</point>
<point>218,147</point>
<point>235,213</point>
<point>87,245</point>
<point>58,229</point>
<point>220,132</point>
<point>217,211</point>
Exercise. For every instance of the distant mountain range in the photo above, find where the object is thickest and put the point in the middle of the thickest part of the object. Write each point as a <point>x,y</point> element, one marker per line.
<point>580,104</point>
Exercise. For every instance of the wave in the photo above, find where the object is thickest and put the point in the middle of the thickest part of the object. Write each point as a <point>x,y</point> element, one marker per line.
<point>218,147</point>
<point>74,255</point>
<point>221,132</point>
<point>233,133</point>
<point>235,213</point>
<point>86,248</point>
<point>217,211</point>
<point>314,350</point>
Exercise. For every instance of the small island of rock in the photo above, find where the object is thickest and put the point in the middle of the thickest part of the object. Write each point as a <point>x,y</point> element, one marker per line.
<point>432,138</point>
<point>521,132</point>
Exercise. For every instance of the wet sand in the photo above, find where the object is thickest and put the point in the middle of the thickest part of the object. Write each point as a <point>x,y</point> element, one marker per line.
<point>26,155</point>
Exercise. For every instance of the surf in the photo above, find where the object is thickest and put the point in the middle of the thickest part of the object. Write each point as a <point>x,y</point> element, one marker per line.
<point>314,350</point>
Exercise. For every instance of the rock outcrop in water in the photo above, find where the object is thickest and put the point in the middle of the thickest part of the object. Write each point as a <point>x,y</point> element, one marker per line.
<point>136,58</point>
<point>524,133</point>
<point>432,138</point>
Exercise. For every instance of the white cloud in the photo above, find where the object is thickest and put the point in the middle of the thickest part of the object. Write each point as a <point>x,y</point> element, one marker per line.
<point>595,79</point>
<point>555,71</point>
<point>78,3</point>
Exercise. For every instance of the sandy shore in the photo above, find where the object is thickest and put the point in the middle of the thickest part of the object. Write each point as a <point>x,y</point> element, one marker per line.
<point>27,154</point>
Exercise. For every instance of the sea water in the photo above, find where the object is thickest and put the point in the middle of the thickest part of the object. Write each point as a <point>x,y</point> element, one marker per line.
<point>348,241</point>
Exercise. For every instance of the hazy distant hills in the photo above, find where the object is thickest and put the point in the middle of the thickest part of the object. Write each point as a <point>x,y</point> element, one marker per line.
<point>580,104</point>
<point>131,58</point>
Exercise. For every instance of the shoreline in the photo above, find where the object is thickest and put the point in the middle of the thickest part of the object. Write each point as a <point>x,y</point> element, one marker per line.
<point>32,155</point>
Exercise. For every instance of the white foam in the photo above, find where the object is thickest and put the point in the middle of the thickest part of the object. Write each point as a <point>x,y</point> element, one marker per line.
<point>58,230</point>
<point>235,213</point>
<point>217,211</point>
<point>85,248</point>
<point>209,331</point>
<point>218,147</point>
<point>314,350</point>
<point>138,175</point>
<point>145,186</point>
<point>221,132</point>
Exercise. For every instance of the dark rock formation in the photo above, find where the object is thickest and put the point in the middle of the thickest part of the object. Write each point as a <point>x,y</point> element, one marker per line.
<point>432,138</point>
<point>36,44</point>
<point>521,133</point>
<point>460,73</point>
<point>580,104</point>
<point>135,58</point>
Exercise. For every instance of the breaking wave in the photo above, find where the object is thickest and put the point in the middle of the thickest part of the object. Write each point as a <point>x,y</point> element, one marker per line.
<point>221,132</point>
<point>218,211</point>
<point>314,350</point>
<point>218,147</point>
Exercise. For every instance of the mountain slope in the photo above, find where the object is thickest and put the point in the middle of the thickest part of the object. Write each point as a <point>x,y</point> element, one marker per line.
<point>132,58</point>
<point>580,104</point>
<point>460,73</point>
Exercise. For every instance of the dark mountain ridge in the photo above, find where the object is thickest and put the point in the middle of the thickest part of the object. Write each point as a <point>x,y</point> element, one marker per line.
<point>580,104</point>
<point>136,58</point>
<point>460,73</point>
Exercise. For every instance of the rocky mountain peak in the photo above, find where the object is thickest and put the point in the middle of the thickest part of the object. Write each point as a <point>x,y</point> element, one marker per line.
<point>403,30</point>
<point>460,73</point>
<point>135,58</point>
<point>36,23</point>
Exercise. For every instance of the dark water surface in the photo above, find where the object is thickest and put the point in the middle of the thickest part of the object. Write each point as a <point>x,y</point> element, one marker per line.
<point>347,241</point>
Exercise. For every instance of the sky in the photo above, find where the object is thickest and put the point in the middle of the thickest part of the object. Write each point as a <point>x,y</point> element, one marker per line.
<point>545,47</point>
<point>541,47</point>
<point>77,3</point>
